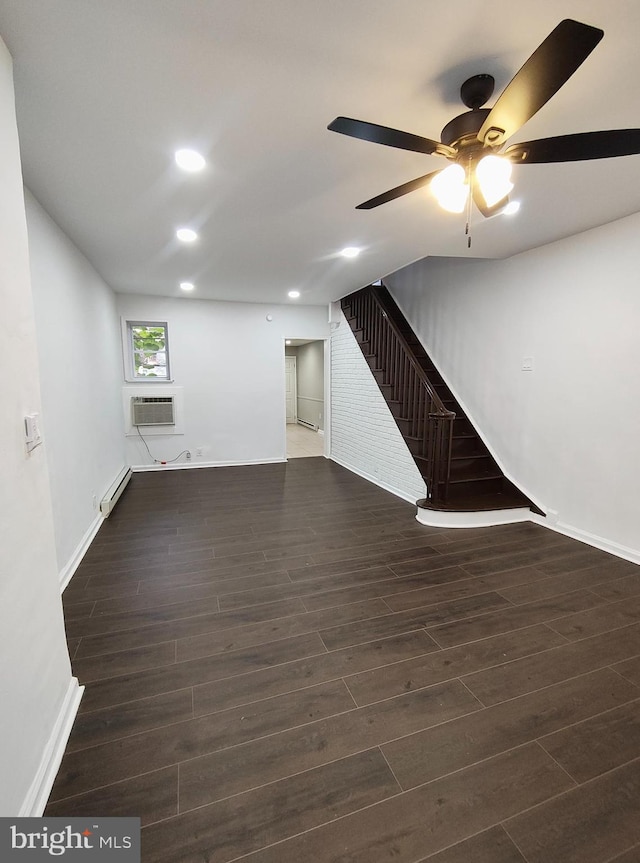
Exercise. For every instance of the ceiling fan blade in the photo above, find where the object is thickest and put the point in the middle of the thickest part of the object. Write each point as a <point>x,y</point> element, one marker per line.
<point>389,137</point>
<point>576,148</point>
<point>543,74</point>
<point>398,192</point>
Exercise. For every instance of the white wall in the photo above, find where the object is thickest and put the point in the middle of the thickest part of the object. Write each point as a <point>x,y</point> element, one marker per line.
<point>568,431</point>
<point>35,674</point>
<point>229,361</point>
<point>364,435</point>
<point>80,373</point>
<point>310,383</point>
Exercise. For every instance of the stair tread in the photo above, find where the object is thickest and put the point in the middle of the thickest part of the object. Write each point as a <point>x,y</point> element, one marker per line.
<point>474,474</point>
<point>461,476</point>
<point>460,457</point>
<point>471,502</point>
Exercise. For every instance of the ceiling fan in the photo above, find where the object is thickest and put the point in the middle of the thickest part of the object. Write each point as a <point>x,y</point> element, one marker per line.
<point>473,140</point>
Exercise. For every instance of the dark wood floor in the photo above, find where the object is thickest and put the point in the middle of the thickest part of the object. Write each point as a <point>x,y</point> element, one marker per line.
<point>281,666</point>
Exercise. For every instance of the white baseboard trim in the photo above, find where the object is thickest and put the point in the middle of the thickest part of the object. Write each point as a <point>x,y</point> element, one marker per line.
<point>66,573</point>
<point>489,518</point>
<point>38,794</point>
<point>593,539</point>
<point>410,498</point>
<point>142,468</point>
<point>74,562</point>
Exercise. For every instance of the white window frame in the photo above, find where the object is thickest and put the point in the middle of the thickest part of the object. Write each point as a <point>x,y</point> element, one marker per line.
<point>129,357</point>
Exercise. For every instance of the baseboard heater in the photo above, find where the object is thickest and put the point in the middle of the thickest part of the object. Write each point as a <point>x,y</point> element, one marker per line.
<point>114,491</point>
<point>308,425</point>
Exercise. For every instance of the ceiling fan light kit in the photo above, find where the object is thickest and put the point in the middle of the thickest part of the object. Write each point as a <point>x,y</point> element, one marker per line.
<point>473,140</point>
<point>451,188</point>
<point>493,174</point>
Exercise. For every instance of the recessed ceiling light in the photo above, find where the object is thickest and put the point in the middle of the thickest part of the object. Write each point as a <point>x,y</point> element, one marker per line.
<point>350,252</point>
<point>189,160</point>
<point>186,235</point>
<point>511,208</point>
<point>186,286</point>
<point>294,294</point>
<point>287,341</point>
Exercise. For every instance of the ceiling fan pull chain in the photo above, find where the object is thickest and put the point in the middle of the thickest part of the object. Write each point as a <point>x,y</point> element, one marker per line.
<point>467,229</point>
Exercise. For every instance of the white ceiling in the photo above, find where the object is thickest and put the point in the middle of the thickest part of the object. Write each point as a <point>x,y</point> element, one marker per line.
<point>106,90</point>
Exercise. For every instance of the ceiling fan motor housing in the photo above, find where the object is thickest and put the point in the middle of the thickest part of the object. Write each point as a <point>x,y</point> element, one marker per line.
<point>477,90</point>
<point>464,128</point>
<point>462,131</point>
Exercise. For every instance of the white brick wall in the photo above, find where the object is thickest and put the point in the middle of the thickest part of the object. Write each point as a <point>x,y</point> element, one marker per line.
<point>364,435</point>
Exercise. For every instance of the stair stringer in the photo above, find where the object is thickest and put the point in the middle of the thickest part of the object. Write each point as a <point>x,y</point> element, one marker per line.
<point>508,475</point>
<point>364,436</point>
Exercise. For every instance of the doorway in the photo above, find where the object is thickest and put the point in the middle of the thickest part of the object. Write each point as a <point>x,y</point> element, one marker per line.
<point>305,397</point>
<point>291,389</point>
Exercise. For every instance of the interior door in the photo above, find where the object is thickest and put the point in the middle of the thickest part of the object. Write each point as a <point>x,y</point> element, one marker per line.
<point>290,378</point>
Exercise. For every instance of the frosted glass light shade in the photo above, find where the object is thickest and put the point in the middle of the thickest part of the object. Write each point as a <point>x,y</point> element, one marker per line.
<point>493,174</point>
<point>450,189</point>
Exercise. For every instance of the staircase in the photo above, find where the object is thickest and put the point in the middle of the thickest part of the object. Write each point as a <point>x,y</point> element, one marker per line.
<point>459,471</point>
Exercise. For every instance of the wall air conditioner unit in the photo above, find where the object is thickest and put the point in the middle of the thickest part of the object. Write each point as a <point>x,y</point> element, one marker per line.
<point>152,411</point>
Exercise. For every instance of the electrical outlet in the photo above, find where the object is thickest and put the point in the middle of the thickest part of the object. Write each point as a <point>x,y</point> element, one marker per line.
<point>199,451</point>
<point>188,454</point>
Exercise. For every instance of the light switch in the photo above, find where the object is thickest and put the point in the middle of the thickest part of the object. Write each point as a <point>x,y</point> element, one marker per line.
<point>32,431</point>
<point>527,364</point>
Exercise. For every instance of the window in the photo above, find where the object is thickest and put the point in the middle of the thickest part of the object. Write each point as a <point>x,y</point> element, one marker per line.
<point>148,350</point>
